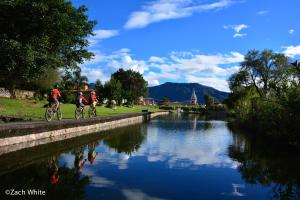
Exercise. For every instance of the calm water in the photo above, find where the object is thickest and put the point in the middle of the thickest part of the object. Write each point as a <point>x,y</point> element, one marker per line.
<point>172,157</point>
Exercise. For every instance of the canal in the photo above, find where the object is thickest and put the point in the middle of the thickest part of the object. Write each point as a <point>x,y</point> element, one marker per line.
<point>171,157</point>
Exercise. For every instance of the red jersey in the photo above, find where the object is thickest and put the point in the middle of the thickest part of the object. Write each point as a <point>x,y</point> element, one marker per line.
<point>55,93</point>
<point>93,98</point>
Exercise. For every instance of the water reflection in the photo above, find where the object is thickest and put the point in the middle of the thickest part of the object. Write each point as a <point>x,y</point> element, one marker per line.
<point>271,165</point>
<point>172,157</point>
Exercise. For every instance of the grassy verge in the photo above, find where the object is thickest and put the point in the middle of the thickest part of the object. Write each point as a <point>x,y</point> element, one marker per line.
<point>32,109</point>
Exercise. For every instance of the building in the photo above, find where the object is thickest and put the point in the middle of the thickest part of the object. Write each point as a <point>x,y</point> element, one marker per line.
<point>194,98</point>
<point>146,101</point>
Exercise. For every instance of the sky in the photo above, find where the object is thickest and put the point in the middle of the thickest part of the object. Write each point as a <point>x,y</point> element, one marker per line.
<point>187,41</point>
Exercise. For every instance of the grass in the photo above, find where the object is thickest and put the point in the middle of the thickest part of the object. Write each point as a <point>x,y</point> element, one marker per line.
<point>32,109</point>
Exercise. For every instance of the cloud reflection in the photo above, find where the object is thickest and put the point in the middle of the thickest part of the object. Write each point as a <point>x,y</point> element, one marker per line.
<point>134,194</point>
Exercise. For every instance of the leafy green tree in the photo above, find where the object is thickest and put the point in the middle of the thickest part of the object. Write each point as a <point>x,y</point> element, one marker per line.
<point>133,84</point>
<point>265,95</point>
<point>46,81</point>
<point>39,35</point>
<point>67,80</point>
<point>79,79</point>
<point>165,99</point>
<point>209,101</point>
<point>113,90</point>
<point>99,90</point>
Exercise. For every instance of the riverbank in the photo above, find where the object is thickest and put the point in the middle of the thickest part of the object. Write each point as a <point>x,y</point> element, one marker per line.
<point>15,136</point>
<point>28,110</point>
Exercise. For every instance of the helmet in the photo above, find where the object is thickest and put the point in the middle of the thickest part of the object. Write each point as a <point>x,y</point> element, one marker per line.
<point>56,86</point>
<point>80,93</point>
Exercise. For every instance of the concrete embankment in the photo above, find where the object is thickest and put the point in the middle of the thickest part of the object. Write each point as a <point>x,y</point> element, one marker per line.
<point>16,136</point>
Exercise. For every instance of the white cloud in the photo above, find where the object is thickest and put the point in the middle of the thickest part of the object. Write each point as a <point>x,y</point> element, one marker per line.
<point>212,70</point>
<point>156,59</point>
<point>102,34</point>
<point>262,12</point>
<point>215,82</point>
<point>292,51</point>
<point>237,29</point>
<point>291,31</point>
<point>161,10</point>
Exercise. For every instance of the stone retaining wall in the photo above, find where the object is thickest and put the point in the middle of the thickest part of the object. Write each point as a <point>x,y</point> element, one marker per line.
<point>16,136</point>
<point>19,94</point>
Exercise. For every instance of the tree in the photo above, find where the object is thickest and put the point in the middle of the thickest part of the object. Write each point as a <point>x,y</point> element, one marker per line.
<point>67,80</point>
<point>78,79</point>
<point>133,84</point>
<point>46,81</point>
<point>262,70</point>
<point>99,90</point>
<point>265,95</point>
<point>113,90</point>
<point>165,99</point>
<point>39,35</point>
<point>209,101</point>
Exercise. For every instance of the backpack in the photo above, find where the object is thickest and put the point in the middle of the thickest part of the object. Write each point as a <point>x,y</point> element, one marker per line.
<point>49,95</point>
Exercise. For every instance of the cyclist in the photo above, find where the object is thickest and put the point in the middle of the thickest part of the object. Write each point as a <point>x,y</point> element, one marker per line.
<point>92,153</point>
<point>93,99</point>
<point>81,100</point>
<point>55,95</point>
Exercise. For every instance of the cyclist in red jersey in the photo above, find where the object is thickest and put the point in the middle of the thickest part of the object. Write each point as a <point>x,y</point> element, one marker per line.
<point>81,100</point>
<point>93,99</point>
<point>55,95</point>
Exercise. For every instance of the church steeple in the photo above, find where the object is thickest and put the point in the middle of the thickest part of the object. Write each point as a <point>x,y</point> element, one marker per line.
<point>194,98</point>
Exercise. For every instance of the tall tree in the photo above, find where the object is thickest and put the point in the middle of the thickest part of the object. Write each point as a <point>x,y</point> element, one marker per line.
<point>133,84</point>
<point>79,79</point>
<point>40,34</point>
<point>209,101</point>
<point>99,90</point>
<point>113,90</point>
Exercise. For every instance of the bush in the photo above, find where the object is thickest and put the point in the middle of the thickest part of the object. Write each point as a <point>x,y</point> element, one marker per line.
<point>167,107</point>
<point>68,97</point>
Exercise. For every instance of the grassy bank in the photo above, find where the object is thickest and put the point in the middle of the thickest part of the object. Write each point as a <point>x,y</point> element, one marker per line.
<point>32,109</point>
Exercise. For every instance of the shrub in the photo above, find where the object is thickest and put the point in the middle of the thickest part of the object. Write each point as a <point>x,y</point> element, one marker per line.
<point>167,107</point>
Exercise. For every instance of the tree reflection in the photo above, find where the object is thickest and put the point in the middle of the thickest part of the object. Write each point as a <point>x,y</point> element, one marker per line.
<point>127,140</point>
<point>268,165</point>
<point>66,184</point>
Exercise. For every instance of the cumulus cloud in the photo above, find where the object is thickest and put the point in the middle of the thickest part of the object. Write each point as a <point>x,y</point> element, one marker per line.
<point>156,59</point>
<point>161,10</point>
<point>292,51</point>
<point>262,12</point>
<point>237,29</point>
<point>104,64</point>
<point>102,34</point>
<point>211,70</point>
<point>291,31</point>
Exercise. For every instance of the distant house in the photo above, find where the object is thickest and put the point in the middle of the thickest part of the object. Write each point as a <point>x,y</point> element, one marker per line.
<point>84,86</point>
<point>194,98</point>
<point>146,101</point>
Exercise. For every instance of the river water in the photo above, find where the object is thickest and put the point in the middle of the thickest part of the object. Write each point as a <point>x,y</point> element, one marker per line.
<point>171,157</point>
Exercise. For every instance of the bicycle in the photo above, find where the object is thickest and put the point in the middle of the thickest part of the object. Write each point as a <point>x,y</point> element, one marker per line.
<point>51,111</point>
<point>92,111</point>
<point>80,112</point>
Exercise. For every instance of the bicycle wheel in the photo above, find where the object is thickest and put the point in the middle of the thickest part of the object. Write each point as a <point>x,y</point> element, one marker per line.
<point>59,114</point>
<point>49,114</point>
<point>79,113</point>
<point>92,112</point>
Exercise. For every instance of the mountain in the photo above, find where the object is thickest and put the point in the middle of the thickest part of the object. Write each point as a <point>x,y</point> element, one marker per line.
<point>183,91</point>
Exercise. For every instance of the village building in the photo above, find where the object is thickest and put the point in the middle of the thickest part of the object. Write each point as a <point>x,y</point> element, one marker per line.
<point>193,98</point>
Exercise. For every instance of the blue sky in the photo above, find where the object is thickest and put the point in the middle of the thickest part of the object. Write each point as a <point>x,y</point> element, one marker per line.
<point>199,41</point>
